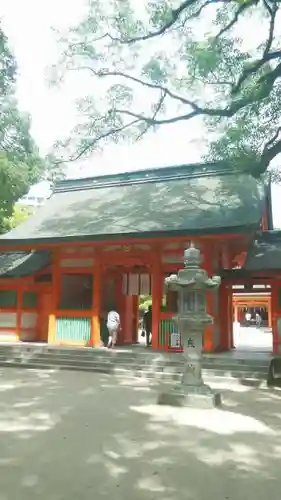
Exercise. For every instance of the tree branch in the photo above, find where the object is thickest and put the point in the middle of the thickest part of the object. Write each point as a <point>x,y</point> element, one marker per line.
<point>239,11</point>
<point>97,139</point>
<point>272,12</point>
<point>270,78</point>
<point>175,15</point>
<point>157,109</point>
<point>272,140</point>
<point>120,74</point>
<point>267,55</point>
<point>271,149</point>
<point>203,6</point>
<point>271,56</point>
<point>220,112</point>
<point>196,111</point>
<point>269,154</point>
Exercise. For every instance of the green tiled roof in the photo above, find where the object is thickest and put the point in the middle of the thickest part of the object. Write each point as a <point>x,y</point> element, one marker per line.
<point>20,264</point>
<point>189,199</point>
<point>265,252</point>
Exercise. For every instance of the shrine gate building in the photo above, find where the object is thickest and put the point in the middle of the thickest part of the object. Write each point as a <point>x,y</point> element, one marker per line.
<point>98,243</point>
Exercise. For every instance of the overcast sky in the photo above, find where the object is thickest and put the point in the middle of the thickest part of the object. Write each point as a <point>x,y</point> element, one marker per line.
<point>28,25</point>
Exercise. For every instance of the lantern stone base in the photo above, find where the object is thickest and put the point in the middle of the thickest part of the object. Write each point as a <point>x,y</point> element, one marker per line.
<point>197,397</point>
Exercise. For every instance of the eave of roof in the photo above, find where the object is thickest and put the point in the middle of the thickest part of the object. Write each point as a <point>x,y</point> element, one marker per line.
<point>265,252</point>
<point>21,264</point>
<point>35,242</point>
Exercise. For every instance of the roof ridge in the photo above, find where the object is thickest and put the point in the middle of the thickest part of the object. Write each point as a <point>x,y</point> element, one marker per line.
<point>177,172</point>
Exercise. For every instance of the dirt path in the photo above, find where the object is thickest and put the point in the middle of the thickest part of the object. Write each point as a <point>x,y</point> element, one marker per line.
<point>82,436</point>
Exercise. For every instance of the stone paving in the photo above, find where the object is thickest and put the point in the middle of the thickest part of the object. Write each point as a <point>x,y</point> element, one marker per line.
<point>67,435</point>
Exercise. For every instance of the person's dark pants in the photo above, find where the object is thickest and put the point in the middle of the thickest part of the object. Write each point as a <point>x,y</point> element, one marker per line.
<point>148,333</point>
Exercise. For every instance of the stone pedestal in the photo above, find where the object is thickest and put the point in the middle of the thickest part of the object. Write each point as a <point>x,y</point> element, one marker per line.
<point>191,390</point>
<point>203,398</point>
<point>191,283</point>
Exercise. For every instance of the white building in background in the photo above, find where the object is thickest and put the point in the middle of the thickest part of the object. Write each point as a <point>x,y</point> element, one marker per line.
<point>37,195</point>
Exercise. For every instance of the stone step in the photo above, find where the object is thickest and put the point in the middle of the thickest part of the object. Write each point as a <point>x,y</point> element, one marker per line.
<point>140,363</point>
<point>237,366</point>
<point>140,356</point>
<point>102,368</point>
<point>148,377</point>
<point>133,353</point>
<point>169,373</point>
<point>70,351</point>
<point>225,360</point>
<point>151,363</point>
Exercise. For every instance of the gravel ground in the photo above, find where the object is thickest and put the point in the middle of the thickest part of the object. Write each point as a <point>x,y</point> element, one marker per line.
<point>66,435</point>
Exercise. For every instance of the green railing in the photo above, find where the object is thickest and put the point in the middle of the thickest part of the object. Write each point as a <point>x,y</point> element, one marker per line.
<point>166,326</point>
<point>73,330</point>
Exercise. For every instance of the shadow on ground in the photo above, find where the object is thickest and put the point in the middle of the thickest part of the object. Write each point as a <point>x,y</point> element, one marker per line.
<point>65,434</point>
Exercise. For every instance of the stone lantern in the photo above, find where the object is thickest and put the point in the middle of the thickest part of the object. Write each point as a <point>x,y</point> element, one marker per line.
<point>191,284</point>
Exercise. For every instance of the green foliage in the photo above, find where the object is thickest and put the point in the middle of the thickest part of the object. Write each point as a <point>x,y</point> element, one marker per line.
<point>20,214</point>
<point>144,302</point>
<point>165,61</point>
<point>160,13</point>
<point>20,162</point>
<point>156,70</point>
<point>8,66</point>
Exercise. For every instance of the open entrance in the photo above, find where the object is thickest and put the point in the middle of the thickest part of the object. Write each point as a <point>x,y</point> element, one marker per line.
<point>129,292</point>
<point>144,307</point>
<point>168,308</point>
<point>121,292</point>
<point>252,322</point>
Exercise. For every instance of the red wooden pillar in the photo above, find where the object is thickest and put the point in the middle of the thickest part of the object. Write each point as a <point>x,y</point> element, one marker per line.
<point>274,315</point>
<point>119,297</point>
<point>135,332</point>
<point>230,315</point>
<point>225,317</point>
<point>157,291</point>
<point>96,303</point>
<point>56,279</point>
<point>240,314</point>
<point>208,342</point>
<point>235,314</point>
<point>269,313</point>
<point>19,313</point>
<point>124,307</point>
<point>126,320</point>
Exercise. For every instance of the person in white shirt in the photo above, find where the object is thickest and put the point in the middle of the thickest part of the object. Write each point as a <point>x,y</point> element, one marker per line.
<point>113,326</point>
<point>258,320</point>
<point>248,317</point>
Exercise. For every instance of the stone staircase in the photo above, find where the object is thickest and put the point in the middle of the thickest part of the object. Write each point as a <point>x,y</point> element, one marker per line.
<point>134,362</point>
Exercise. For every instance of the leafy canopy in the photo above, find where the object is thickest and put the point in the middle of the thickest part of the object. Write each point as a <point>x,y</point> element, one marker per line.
<point>20,214</point>
<point>20,163</point>
<point>158,62</point>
